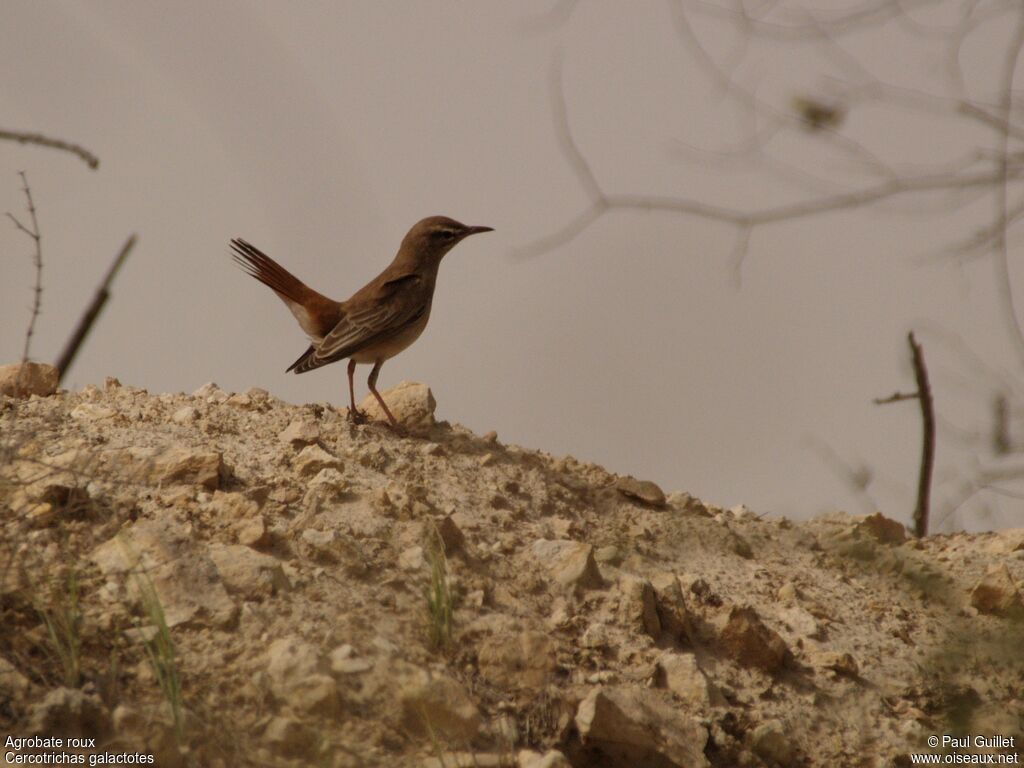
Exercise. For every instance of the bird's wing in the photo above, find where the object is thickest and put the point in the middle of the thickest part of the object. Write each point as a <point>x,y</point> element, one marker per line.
<point>383,310</point>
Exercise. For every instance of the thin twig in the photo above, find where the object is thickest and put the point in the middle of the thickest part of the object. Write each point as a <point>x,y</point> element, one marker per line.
<point>924,395</point>
<point>896,397</point>
<point>37,258</point>
<point>45,141</point>
<point>67,357</point>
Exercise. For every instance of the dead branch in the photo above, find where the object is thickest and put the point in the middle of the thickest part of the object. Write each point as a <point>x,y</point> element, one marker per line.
<point>67,357</point>
<point>924,395</point>
<point>45,141</point>
<point>37,259</point>
<point>1000,257</point>
<point>896,397</point>
<point>891,185</point>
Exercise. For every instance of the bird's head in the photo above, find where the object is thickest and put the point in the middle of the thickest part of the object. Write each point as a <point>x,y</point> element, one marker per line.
<point>434,236</point>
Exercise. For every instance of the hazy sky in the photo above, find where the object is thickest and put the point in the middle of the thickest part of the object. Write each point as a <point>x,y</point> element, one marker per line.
<point>320,131</point>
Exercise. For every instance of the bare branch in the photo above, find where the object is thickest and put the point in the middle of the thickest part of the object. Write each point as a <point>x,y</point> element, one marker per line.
<point>836,23</point>
<point>999,123</point>
<point>81,331</point>
<point>924,395</point>
<point>860,198</point>
<point>45,141</point>
<point>1000,259</point>
<point>957,177</point>
<point>896,397</point>
<point>565,138</point>
<point>565,234</point>
<point>804,208</point>
<point>983,238</point>
<point>924,482</point>
<point>37,260</point>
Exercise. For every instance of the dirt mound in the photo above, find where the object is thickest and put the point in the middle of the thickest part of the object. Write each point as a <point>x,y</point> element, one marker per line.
<point>228,580</point>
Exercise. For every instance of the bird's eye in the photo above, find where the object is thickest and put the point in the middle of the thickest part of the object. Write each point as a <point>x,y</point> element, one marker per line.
<point>444,234</point>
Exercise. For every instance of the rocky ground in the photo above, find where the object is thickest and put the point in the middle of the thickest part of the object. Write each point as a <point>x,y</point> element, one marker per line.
<point>222,579</point>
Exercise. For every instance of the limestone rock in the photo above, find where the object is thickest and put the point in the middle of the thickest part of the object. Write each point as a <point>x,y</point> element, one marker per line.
<point>13,684</point>
<point>635,726</point>
<point>882,529</point>
<point>773,742</point>
<point>69,712</point>
<point>288,658</point>
<point>841,663</point>
<point>526,660</point>
<point>787,593</point>
<point>673,614</point>
<point>289,737</point>
<point>527,758</point>
<point>571,562</point>
<point>641,490</point>
<point>230,506</point>
<point>997,594</point>
<point>185,415</point>
<point>609,554</point>
<point>25,379</point>
<point>474,759</point>
<point>440,702</point>
<point>175,464</point>
<point>412,559</point>
<point>344,663</point>
<point>329,547</point>
<point>411,403</point>
<point>165,554</point>
<point>1007,541</point>
<point>324,492</point>
<point>247,572</point>
<point>749,642</point>
<point>300,432</point>
<point>799,621</point>
<point>680,674</point>
<point>252,532</point>
<point>742,512</point>
<point>312,459</point>
<point>92,412</point>
<point>360,518</point>
<point>40,498</point>
<point>299,676</point>
<point>638,605</point>
<point>210,393</point>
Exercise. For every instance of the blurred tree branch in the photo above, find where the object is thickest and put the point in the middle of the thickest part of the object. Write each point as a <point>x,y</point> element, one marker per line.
<point>45,141</point>
<point>980,97</point>
<point>37,260</point>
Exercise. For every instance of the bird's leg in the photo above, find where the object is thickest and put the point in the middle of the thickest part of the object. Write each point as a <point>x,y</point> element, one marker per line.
<point>354,414</point>
<point>372,382</point>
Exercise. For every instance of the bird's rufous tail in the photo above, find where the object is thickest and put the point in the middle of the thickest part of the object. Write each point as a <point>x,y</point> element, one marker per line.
<point>315,312</point>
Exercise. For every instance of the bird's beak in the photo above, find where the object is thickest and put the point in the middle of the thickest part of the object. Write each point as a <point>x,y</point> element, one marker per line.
<point>476,230</point>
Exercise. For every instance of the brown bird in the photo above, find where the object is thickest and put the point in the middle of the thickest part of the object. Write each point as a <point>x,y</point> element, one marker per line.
<point>380,320</point>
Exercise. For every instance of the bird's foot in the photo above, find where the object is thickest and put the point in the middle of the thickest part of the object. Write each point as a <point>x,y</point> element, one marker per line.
<point>356,416</point>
